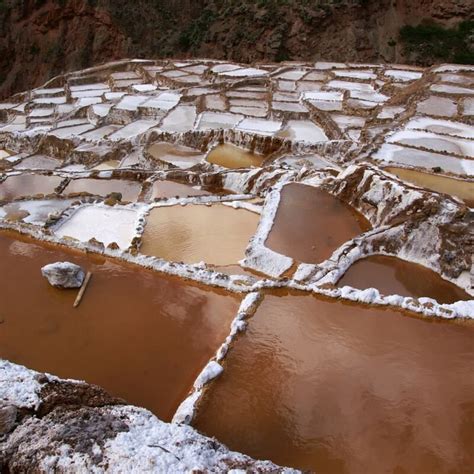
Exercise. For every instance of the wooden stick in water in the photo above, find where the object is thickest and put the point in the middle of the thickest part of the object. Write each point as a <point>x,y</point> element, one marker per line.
<point>82,290</point>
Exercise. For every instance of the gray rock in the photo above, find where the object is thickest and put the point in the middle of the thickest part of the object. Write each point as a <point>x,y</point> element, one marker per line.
<point>64,274</point>
<point>7,418</point>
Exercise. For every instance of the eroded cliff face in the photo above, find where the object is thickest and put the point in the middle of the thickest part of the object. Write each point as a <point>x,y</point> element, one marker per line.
<point>42,38</point>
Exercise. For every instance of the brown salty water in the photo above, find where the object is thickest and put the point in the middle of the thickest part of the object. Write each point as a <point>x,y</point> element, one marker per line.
<point>393,276</point>
<point>214,234</point>
<point>231,156</point>
<point>310,224</point>
<point>169,189</point>
<point>455,187</point>
<point>181,156</point>
<point>140,335</point>
<point>28,185</point>
<point>335,387</point>
<point>102,187</point>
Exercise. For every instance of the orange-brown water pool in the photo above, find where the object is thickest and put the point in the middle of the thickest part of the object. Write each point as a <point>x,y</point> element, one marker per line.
<point>335,387</point>
<point>140,335</point>
<point>391,275</point>
<point>310,224</point>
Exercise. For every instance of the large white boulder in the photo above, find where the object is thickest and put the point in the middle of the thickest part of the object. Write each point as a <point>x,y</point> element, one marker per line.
<point>64,274</point>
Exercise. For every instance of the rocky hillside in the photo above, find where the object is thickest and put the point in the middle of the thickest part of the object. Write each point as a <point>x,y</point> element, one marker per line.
<point>41,38</point>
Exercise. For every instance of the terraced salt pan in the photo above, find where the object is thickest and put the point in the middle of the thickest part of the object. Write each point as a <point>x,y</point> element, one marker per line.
<point>423,159</point>
<point>362,75</point>
<point>310,224</point>
<point>194,233</point>
<point>437,106</point>
<point>376,97</point>
<point>468,107</point>
<point>348,121</point>
<point>215,120</point>
<point>457,79</point>
<point>220,68</point>
<point>403,76</point>
<point>133,129</point>
<point>38,162</point>
<point>132,102</point>
<point>245,72</point>
<point>177,155</point>
<point>351,86</point>
<point>447,89</point>
<point>294,75</point>
<point>446,127</point>
<point>230,156</point>
<point>103,187</point>
<point>289,107</point>
<point>259,126</point>
<point>438,143</point>
<point>303,131</point>
<point>101,132</point>
<point>34,212</point>
<point>180,119</point>
<point>392,276</point>
<point>164,101</point>
<point>105,224</point>
<point>66,132</point>
<point>89,93</point>
<point>168,189</point>
<point>87,87</point>
<point>250,111</point>
<point>442,184</point>
<point>333,387</point>
<point>28,185</point>
<point>107,165</point>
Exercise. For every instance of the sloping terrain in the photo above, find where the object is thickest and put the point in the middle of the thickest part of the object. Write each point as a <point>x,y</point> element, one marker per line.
<point>41,38</point>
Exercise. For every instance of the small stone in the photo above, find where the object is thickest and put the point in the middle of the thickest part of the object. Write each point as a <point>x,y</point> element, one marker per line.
<point>63,274</point>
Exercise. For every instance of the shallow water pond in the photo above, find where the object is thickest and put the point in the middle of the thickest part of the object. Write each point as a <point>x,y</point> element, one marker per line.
<point>181,156</point>
<point>28,185</point>
<point>393,276</point>
<point>141,336</point>
<point>102,187</point>
<point>233,157</point>
<point>310,224</point>
<point>214,234</point>
<point>442,184</point>
<point>169,189</point>
<point>334,387</point>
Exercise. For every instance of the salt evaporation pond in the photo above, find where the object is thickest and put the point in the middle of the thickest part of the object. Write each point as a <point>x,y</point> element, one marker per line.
<point>455,187</point>
<point>233,157</point>
<point>310,224</point>
<point>214,234</point>
<point>105,224</point>
<point>393,276</point>
<point>168,189</point>
<point>181,156</point>
<point>102,187</point>
<point>38,162</point>
<point>141,336</point>
<point>34,212</point>
<point>335,387</point>
<point>28,185</point>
